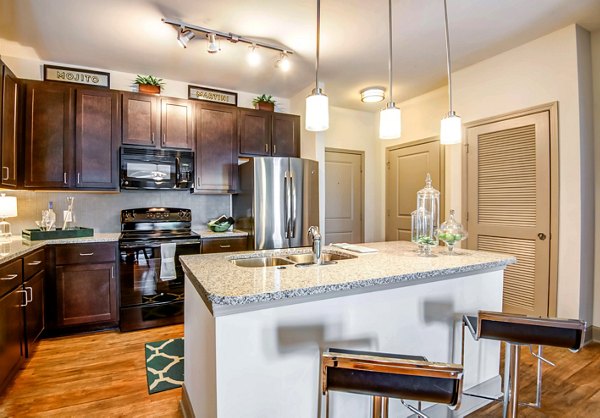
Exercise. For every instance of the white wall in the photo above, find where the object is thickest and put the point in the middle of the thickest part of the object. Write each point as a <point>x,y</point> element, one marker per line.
<point>596,90</point>
<point>542,71</point>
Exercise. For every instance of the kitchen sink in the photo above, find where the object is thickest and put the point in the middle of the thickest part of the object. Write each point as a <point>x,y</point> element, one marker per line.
<point>261,262</point>
<point>308,258</point>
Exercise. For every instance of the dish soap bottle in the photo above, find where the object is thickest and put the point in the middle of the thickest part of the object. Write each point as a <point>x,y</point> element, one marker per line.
<point>51,217</point>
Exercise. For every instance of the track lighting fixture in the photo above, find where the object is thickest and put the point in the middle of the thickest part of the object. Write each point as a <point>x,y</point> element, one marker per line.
<point>390,118</point>
<point>186,32</point>
<point>450,126</point>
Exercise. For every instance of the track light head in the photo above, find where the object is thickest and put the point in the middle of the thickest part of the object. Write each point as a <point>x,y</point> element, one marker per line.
<point>213,45</point>
<point>185,36</point>
<point>254,58</point>
<point>283,63</point>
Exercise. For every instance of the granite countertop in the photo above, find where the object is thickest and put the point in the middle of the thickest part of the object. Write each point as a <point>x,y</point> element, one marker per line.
<point>19,247</point>
<point>207,233</point>
<point>221,283</point>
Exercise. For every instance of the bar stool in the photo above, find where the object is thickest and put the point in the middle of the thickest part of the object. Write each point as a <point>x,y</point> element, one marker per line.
<point>518,330</point>
<point>384,376</point>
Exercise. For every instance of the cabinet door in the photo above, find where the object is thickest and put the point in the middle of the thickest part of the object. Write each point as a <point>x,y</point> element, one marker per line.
<point>140,119</point>
<point>96,139</point>
<point>216,148</point>
<point>48,135</point>
<point>176,123</point>
<point>34,311</point>
<point>86,293</point>
<point>255,132</point>
<point>9,125</point>
<point>286,135</point>
<point>11,335</point>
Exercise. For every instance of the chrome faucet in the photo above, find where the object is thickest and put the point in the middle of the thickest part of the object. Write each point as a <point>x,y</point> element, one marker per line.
<point>313,233</point>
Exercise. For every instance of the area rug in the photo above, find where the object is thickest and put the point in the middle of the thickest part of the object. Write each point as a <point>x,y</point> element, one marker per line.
<point>164,365</point>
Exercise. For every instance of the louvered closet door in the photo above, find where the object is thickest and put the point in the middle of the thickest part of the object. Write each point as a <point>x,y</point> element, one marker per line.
<point>509,204</point>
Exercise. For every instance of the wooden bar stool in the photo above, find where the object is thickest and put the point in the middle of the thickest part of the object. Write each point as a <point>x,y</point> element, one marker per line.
<point>518,330</point>
<point>385,376</point>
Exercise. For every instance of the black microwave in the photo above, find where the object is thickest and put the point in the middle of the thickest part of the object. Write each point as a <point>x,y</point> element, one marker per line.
<point>150,169</point>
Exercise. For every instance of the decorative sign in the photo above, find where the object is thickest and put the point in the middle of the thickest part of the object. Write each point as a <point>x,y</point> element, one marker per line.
<point>212,95</point>
<point>75,75</point>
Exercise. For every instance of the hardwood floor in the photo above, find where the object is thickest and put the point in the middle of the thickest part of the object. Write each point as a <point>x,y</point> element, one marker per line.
<point>571,389</point>
<point>93,375</point>
<point>103,375</point>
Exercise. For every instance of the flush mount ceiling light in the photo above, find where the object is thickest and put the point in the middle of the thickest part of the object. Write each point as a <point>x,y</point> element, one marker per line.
<point>450,126</point>
<point>390,118</point>
<point>253,58</point>
<point>372,94</point>
<point>317,104</point>
<point>184,36</point>
<point>186,32</point>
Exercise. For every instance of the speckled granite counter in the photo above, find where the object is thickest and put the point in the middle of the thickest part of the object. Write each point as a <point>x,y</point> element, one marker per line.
<point>207,233</point>
<point>221,283</point>
<point>19,247</point>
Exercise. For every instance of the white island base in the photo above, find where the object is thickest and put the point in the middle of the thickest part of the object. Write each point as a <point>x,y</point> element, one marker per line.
<point>265,362</point>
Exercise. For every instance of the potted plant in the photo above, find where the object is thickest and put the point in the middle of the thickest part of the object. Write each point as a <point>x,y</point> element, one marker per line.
<point>149,84</point>
<point>264,102</point>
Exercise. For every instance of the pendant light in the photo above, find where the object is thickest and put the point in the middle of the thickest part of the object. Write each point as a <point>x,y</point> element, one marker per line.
<point>317,104</point>
<point>390,116</point>
<point>450,127</point>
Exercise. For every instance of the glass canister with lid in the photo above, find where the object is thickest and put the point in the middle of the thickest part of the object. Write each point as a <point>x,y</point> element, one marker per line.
<point>451,232</point>
<point>427,217</point>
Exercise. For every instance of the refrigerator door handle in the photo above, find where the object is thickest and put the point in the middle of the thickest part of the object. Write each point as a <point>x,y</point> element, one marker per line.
<point>286,186</point>
<point>294,204</point>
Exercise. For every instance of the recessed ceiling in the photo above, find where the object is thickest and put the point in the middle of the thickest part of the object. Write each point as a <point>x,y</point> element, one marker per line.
<point>129,36</point>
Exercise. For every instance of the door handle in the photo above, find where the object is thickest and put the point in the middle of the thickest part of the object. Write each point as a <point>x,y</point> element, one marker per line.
<point>288,205</point>
<point>78,178</point>
<point>293,203</point>
<point>34,263</point>
<point>542,236</point>
<point>7,176</point>
<point>274,149</point>
<point>30,299</point>
<point>86,254</point>
<point>152,137</point>
<point>267,148</point>
<point>224,246</point>
<point>65,177</point>
<point>26,301</point>
<point>9,277</point>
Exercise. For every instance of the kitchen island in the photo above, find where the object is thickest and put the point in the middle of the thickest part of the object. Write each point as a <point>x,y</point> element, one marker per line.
<point>253,336</point>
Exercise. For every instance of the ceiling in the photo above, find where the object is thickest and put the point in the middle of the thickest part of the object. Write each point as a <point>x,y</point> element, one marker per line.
<point>129,36</point>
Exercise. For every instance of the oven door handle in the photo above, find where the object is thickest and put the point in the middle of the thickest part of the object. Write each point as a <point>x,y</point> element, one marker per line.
<point>142,245</point>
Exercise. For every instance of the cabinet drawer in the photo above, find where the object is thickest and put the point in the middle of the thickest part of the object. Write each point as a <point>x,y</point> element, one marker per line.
<point>85,253</point>
<point>224,245</point>
<point>10,276</point>
<point>33,263</point>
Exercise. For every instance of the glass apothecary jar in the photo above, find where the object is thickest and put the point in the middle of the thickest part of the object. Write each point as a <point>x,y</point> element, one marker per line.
<point>451,232</point>
<point>426,219</point>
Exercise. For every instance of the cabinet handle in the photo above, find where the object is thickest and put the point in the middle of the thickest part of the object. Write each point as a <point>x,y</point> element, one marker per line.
<point>112,272</point>
<point>35,263</point>
<point>225,246</point>
<point>9,277</point>
<point>86,254</point>
<point>30,299</point>
<point>164,138</point>
<point>65,177</point>
<point>266,148</point>
<point>78,178</point>
<point>26,301</point>
<point>7,176</point>
<point>274,149</point>
<point>152,137</point>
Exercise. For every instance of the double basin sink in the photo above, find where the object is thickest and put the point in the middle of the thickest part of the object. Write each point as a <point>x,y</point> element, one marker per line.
<point>300,260</point>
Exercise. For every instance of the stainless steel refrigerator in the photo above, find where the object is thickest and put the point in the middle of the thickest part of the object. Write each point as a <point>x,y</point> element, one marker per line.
<point>277,202</point>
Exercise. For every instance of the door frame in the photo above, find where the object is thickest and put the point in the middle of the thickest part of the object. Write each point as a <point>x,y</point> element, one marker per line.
<point>552,109</point>
<point>442,190</point>
<point>362,182</point>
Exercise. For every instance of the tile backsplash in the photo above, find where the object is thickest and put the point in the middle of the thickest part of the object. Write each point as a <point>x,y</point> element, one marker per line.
<point>101,211</point>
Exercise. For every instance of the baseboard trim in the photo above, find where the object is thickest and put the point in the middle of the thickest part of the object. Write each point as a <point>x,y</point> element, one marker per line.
<point>185,405</point>
<point>595,334</point>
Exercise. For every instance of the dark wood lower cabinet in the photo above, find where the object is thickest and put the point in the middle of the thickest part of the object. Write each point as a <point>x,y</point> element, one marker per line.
<point>11,335</point>
<point>86,293</point>
<point>34,311</point>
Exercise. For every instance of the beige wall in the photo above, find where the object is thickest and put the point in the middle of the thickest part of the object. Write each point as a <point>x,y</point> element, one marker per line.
<point>542,71</point>
<point>596,91</point>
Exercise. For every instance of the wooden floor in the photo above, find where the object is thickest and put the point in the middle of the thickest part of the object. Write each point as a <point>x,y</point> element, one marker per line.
<point>93,375</point>
<point>103,375</point>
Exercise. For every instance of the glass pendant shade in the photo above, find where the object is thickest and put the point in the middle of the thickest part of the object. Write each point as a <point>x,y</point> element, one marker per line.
<point>317,112</point>
<point>390,125</point>
<point>451,129</point>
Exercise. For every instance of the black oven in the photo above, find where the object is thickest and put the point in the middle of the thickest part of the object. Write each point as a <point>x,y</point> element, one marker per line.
<point>150,169</point>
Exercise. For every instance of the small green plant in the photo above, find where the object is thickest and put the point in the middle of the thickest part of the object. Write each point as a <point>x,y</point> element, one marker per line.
<point>263,99</point>
<point>150,80</point>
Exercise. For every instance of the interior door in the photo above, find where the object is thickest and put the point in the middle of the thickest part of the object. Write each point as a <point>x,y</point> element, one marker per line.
<point>508,204</point>
<point>343,197</point>
<point>407,167</point>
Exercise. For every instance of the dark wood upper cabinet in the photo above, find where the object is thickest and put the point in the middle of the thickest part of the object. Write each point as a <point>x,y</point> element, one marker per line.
<point>140,119</point>
<point>254,132</point>
<point>97,139</point>
<point>48,135</point>
<point>216,148</point>
<point>9,127</point>
<point>176,123</point>
<point>286,135</point>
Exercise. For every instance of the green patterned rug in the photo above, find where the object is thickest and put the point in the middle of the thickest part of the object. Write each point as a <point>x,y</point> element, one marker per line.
<point>164,365</point>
